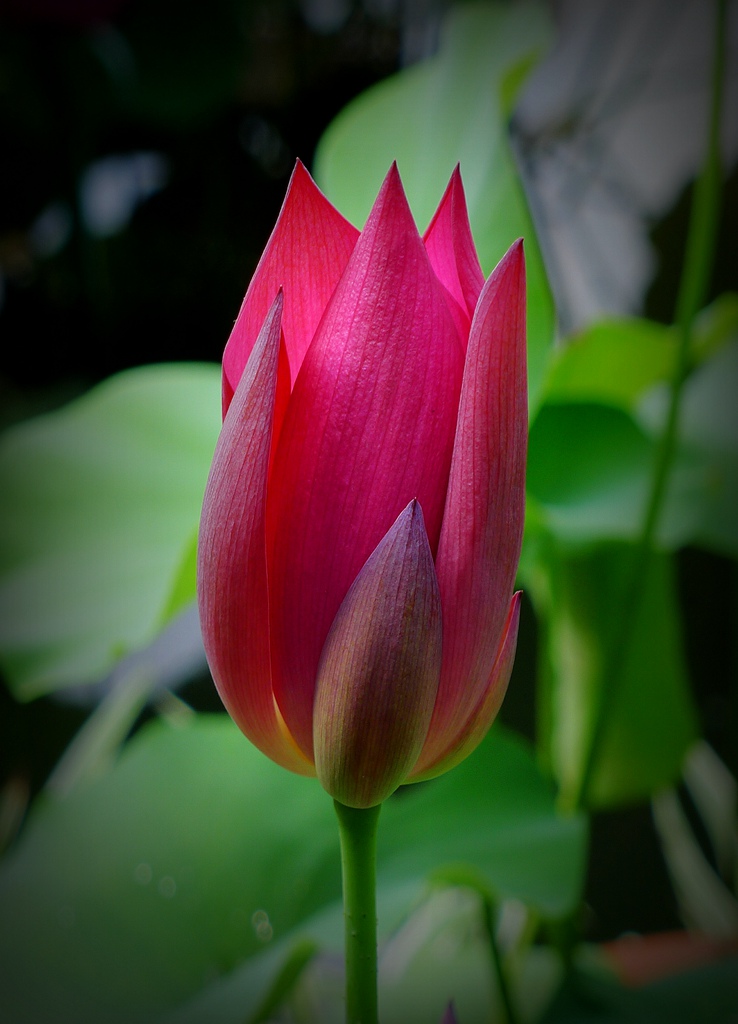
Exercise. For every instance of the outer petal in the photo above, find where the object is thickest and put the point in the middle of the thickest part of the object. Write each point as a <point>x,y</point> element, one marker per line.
<point>477,725</point>
<point>231,565</point>
<point>453,255</point>
<point>379,670</point>
<point>369,426</point>
<point>483,521</point>
<point>306,254</point>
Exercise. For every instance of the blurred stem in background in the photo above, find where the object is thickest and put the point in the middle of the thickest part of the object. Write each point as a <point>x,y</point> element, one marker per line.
<point>692,295</point>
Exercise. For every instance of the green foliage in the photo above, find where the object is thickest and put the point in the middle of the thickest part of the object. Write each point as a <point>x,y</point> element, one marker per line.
<point>143,887</point>
<point>492,800</point>
<point>100,502</point>
<point>582,600</point>
<point>592,454</point>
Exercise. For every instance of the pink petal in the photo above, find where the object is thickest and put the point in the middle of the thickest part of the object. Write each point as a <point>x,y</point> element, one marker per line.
<point>369,426</point>
<point>306,254</point>
<point>482,530</point>
<point>379,670</point>
<point>231,569</point>
<point>453,255</point>
<point>483,715</point>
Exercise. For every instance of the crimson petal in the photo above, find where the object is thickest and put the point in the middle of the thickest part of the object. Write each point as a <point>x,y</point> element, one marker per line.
<point>483,520</point>
<point>306,254</point>
<point>231,568</point>
<point>369,426</point>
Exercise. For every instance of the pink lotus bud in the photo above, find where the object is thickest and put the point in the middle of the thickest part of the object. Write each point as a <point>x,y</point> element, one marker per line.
<point>363,518</point>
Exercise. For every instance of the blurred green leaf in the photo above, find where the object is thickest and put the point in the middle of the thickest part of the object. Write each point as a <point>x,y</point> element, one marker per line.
<point>593,443</point>
<point>580,599</point>
<point>137,890</point>
<point>493,812</point>
<point>237,997</point>
<point>444,111</point>
<point>588,470</point>
<point>100,501</point>
<point>183,586</point>
<point>616,361</point>
<point>612,362</point>
<point>416,981</point>
<point>142,888</point>
<point>589,476</point>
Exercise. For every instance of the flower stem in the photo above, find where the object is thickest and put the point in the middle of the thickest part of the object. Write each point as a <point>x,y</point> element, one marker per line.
<point>489,910</point>
<point>358,831</point>
<point>698,260</point>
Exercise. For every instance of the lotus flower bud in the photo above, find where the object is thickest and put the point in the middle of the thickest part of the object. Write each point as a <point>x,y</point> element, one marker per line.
<point>363,517</point>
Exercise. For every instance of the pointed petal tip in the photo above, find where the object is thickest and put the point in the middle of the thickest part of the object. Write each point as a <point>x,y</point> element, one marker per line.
<point>275,310</point>
<point>412,519</point>
<point>378,674</point>
<point>510,270</point>
<point>393,181</point>
<point>301,181</point>
<point>413,509</point>
<point>391,205</point>
<point>515,254</point>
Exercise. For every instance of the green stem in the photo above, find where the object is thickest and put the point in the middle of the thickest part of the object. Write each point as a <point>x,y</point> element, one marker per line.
<point>358,830</point>
<point>698,261</point>
<point>490,912</point>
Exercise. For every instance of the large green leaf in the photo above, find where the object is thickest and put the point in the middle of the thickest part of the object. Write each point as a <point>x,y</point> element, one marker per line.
<point>617,360</point>
<point>594,442</point>
<point>140,889</point>
<point>582,600</point>
<point>100,501</point>
<point>496,814</point>
<point>612,362</point>
<point>590,469</point>
<point>449,110</point>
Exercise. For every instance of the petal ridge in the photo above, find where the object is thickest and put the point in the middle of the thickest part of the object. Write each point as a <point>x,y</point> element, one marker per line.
<point>369,426</point>
<point>482,530</point>
<point>483,715</point>
<point>450,246</point>
<point>306,254</point>
<point>231,572</point>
